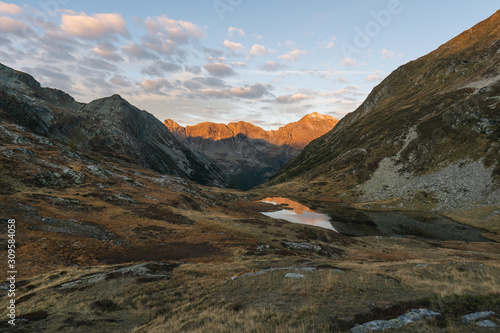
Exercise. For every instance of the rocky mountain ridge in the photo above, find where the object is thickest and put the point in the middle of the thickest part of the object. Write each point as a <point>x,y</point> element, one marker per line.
<point>248,153</point>
<point>296,134</point>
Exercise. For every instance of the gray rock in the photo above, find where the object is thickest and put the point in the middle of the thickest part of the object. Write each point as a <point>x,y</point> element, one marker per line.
<point>487,324</point>
<point>294,275</point>
<point>467,319</point>
<point>422,265</point>
<point>382,325</point>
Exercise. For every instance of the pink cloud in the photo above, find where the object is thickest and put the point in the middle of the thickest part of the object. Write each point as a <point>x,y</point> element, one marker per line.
<point>107,51</point>
<point>11,9</point>
<point>234,46</point>
<point>348,62</point>
<point>292,55</point>
<point>220,70</point>
<point>258,50</point>
<point>232,30</point>
<point>371,78</point>
<point>8,24</point>
<point>290,99</point>
<point>95,26</point>
<point>177,30</point>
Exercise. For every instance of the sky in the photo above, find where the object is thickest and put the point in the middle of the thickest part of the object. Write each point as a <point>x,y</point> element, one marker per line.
<point>265,62</point>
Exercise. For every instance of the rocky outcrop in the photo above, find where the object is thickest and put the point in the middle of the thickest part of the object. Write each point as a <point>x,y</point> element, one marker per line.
<point>109,126</point>
<point>248,153</point>
<point>428,133</point>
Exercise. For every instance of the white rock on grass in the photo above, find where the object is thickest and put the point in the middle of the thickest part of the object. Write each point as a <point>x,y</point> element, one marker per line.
<point>294,275</point>
<point>487,324</point>
<point>472,317</point>
<point>382,325</point>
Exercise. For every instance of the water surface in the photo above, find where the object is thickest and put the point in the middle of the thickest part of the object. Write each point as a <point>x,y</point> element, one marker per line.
<point>353,222</point>
<point>298,213</point>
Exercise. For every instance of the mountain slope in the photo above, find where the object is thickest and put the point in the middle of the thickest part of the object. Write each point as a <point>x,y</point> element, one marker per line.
<point>428,133</point>
<point>109,126</point>
<point>248,153</point>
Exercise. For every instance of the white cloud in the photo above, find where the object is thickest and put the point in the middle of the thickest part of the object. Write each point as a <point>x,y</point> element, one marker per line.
<point>234,46</point>
<point>257,50</point>
<point>93,27</point>
<point>232,30</point>
<point>292,55</point>
<point>10,9</point>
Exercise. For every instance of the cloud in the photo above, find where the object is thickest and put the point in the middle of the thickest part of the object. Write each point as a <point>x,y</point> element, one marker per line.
<point>272,66</point>
<point>98,64</point>
<point>50,76</point>
<point>292,55</point>
<point>107,51</point>
<point>254,91</point>
<point>348,62</point>
<point>197,83</point>
<point>193,69</point>
<point>161,67</point>
<point>290,99</point>
<point>121,81</point>
<point>95,26</point>
<point>371,78</point>
<point>233,30</point>
<point>386,54</point>
<point>351,90</point>
<point>257,50</point>
<point>257,36</point>
<point>9,25</point>
<point>239,64</point>
<point>220,70</point>
<point>157,85</point>
<point>10,9</point>
<point>234,46</point>
<point>134,51</point>
<point>176,30</point>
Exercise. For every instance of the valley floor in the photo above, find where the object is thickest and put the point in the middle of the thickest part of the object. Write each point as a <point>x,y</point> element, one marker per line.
<point>113,247</point>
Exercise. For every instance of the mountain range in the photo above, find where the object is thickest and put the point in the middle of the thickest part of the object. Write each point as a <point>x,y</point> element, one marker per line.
<point>248,154</point>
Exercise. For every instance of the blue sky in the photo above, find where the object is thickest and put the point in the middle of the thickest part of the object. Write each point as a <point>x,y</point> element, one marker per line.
<point>266,62</point>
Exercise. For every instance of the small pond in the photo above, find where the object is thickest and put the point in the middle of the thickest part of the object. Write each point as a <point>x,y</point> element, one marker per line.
<point>353,222</point>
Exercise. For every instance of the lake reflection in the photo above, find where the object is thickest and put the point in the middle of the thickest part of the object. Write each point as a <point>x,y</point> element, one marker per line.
<point>298,213</point>
<point>354,222</point>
